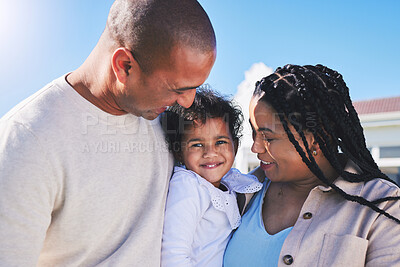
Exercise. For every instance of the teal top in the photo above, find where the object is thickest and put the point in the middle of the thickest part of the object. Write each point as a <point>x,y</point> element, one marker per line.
<point>251,245</point>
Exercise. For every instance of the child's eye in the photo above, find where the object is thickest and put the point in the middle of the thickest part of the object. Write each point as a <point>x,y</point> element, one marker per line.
<point>220,142</point>
<point>196,145</point>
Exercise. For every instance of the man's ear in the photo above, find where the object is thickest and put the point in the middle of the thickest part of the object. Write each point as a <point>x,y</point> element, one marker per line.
<point>122,63</point>
<point>236,145</point>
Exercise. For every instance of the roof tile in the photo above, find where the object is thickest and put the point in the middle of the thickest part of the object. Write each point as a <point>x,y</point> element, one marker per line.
<point>381,105</point>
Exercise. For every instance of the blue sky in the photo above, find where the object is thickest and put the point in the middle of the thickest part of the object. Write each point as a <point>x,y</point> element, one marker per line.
<point>44,39</point>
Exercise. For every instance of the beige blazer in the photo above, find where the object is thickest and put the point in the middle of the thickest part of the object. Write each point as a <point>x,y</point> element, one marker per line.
<point>332,231</point>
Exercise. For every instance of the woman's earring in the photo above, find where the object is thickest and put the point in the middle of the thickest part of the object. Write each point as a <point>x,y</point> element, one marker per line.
<point>314,152</point>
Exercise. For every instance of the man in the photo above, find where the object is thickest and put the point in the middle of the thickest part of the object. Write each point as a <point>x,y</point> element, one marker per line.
<point>84,167</point>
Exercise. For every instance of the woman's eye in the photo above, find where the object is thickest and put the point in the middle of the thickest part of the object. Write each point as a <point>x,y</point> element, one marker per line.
<point>220,142</point>
<point>267,139</point>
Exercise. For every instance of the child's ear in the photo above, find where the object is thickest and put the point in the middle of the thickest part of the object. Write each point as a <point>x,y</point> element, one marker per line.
<point>236,145</point>
<point>178,156</point>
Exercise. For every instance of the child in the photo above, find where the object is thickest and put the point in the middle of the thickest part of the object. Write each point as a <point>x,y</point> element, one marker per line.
<point>201,209</point>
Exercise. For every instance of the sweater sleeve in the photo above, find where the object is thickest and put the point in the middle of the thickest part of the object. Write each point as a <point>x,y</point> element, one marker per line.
<point>384,239</point>
<point>25,196</point>
<point>182,215</point>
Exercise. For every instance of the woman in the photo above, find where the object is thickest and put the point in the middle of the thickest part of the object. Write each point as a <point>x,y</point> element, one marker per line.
<point>324,201</point>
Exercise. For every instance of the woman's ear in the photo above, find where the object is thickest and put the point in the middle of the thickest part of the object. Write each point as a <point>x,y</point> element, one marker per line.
<point>312,143</point>
<point>314,146</point>
<point>122,62</point>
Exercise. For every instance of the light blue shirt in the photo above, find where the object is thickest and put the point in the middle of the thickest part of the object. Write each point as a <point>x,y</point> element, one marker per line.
<point>251,245</point>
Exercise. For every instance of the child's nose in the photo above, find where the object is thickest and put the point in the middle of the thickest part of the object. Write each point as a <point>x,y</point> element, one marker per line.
<point>210,151</point>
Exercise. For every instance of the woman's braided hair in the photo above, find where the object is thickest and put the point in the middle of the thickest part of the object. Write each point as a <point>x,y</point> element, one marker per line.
<point>316,99</point>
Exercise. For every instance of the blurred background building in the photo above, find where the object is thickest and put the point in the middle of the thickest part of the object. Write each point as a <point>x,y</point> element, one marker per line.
<point>380,119</point>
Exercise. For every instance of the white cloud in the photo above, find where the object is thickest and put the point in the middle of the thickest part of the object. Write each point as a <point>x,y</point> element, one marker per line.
<point>245,90</point>
<point>243,95</point>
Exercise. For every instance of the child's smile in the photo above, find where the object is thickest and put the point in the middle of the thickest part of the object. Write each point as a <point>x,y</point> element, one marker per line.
<point>211,165</point>
<point>209,150</point>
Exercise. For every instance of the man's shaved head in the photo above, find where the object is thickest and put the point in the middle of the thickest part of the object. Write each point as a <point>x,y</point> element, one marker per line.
<point>150,28</point>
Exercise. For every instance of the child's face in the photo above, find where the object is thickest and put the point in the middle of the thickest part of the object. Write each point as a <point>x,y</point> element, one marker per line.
<point>208,149</point>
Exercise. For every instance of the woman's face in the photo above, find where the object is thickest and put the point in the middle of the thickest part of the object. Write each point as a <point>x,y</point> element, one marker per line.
<point>278,157</point>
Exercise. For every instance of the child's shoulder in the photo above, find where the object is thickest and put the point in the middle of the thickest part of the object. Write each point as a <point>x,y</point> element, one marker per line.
<point>240,182</point>
<point>183,174</point>
<point>188,183</point>
<point>182,171</point>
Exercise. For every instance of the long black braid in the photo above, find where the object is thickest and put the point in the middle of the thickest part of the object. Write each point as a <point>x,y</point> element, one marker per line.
<point>316,99</point>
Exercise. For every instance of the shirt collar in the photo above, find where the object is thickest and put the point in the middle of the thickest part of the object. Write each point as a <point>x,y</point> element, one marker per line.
<point>346,186</point>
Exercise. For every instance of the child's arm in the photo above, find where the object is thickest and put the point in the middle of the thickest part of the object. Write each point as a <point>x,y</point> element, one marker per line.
<point>181,218</point>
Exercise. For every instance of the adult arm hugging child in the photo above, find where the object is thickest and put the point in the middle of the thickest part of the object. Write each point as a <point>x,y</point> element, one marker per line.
<point>201,209</point>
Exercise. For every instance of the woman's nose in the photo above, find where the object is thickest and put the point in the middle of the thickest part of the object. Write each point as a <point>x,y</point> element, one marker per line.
<point>258,146</point>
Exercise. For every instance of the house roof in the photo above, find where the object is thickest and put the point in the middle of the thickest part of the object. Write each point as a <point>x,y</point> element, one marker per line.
<point>381,105</point>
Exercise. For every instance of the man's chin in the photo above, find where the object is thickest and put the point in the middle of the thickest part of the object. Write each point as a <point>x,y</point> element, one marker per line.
<point>150,115</point>
<point>147,114</point>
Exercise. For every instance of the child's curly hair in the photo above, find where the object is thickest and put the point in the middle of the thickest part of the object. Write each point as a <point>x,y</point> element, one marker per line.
<point>207,104</point>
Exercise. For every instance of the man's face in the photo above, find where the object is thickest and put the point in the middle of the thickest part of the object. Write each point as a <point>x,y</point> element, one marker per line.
<point>148,94</point>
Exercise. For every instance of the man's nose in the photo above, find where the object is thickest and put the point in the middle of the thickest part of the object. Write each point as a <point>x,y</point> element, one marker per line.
<point>186,99</point>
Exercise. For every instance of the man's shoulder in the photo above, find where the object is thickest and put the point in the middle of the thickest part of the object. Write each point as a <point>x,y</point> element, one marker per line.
<point>38,103</point>
<point>40,108</point>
